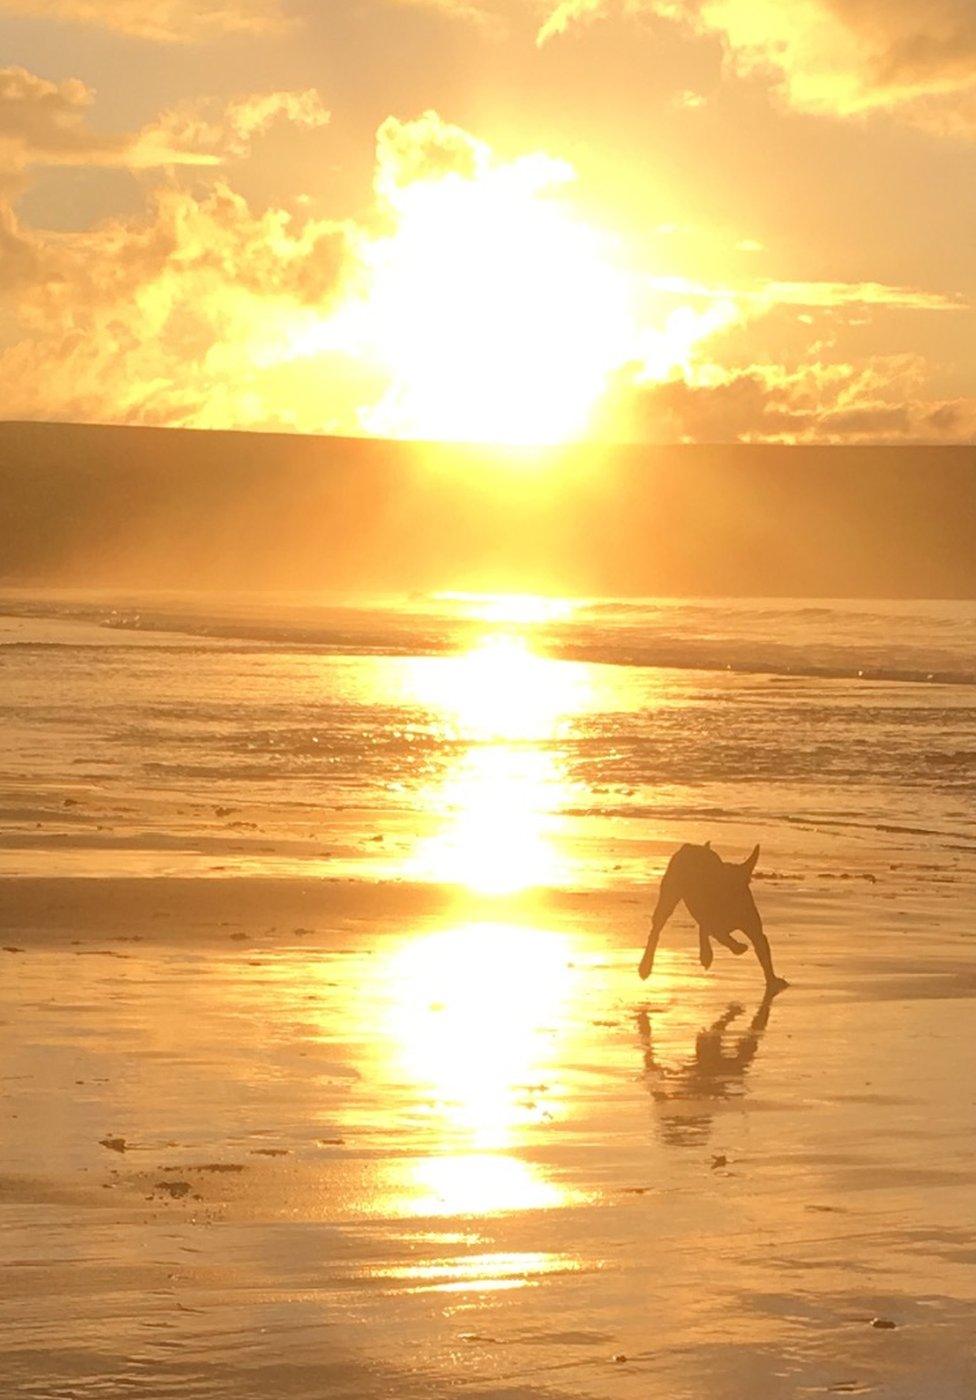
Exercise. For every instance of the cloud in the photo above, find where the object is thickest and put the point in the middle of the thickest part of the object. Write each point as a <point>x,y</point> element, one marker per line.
<point>916,58</point>
<point>46,123</point>
<point>165,21</point>
<point>567,14</point>
<point>474,11</point>
<point>425,149</point>
<point>167,318</point>
<point>881,399</point>
<point>819,295</point>
<point>203,310</point>
<point>209,133</point>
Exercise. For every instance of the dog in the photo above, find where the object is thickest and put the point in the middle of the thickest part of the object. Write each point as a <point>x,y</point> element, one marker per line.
<point>717,895</point>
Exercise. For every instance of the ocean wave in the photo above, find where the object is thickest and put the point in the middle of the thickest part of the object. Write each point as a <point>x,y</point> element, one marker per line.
<point>912,644</point>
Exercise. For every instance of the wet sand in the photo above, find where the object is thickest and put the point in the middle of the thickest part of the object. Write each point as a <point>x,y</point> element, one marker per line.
<point>350,1138</point>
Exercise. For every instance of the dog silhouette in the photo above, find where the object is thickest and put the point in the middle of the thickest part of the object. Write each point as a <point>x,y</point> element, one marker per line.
<point>717,895</point>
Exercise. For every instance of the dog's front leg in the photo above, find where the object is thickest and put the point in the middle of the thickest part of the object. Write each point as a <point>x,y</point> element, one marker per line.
<point>668,896</point>
<point>705,954</point>
<point>647,961</point>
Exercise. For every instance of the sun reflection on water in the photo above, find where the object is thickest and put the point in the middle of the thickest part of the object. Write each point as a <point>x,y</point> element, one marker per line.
<point>507,707</point>
<point>475,1019</point>
<point>480,1184</point>
<point>501,835</point>
<point>477,1010</point>
<point>501,689</point>
<point>485,1273</point>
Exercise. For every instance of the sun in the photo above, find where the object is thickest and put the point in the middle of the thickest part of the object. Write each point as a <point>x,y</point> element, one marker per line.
<point>482,305</point>
<point>497,315</point>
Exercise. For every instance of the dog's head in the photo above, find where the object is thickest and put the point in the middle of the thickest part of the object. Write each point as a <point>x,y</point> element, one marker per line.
<point>738,875</point>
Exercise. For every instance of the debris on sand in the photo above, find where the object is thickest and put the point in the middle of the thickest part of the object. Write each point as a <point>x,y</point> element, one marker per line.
<point>8,948</point>
<point>114,1144</point>
<point>719,1160</point>
<point>269,1151</point>
<point>883,1324</point>
<point>209,1167</point>
<point>175,1189</point>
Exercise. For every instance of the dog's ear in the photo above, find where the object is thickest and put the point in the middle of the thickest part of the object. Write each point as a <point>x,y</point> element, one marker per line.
<point>749,864</point>
<point>707,846</point>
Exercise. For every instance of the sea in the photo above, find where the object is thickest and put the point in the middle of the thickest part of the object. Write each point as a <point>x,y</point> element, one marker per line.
<point>497,741</point>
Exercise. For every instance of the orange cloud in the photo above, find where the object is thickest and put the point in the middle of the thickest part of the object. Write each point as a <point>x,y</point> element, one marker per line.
<point>916,58</point>
<point>46,123</point>
<point>470,289</point>
<point>166,21</point>
<point>752,299</point>
<point>165,318</point>
<point>209,133</point>
<point>474,11</point>
<point>881,399</point>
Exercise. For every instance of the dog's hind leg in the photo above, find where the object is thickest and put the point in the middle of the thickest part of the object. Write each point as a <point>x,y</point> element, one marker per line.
<point>705,951</point>
<point>734,945</point>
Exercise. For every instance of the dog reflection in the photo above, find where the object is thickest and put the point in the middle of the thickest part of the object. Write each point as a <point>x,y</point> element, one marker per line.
<point>686,1094</point>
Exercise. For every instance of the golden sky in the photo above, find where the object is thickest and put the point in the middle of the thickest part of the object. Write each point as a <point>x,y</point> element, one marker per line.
<point>511,220</point>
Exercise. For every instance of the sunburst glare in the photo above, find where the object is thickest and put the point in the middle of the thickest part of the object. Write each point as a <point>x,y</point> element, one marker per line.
<point>522,608</point>
<point>469,308</point>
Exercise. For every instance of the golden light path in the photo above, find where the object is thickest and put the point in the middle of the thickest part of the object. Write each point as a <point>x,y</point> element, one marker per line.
<point>477,1007</point>
<point>476,1014</point>
<point>506,706</point>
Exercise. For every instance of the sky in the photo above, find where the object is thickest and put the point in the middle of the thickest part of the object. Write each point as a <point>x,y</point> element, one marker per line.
<point>492,220</point>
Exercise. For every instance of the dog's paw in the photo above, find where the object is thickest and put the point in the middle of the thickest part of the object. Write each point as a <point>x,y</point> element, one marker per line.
<point>738,947</point>
<point>705,955</point>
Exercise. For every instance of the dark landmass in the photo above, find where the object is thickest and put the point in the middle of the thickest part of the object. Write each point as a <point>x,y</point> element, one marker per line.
<point>172,508</point>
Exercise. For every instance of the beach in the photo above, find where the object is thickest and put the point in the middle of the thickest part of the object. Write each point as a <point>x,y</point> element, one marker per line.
<point>327,1070</point>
